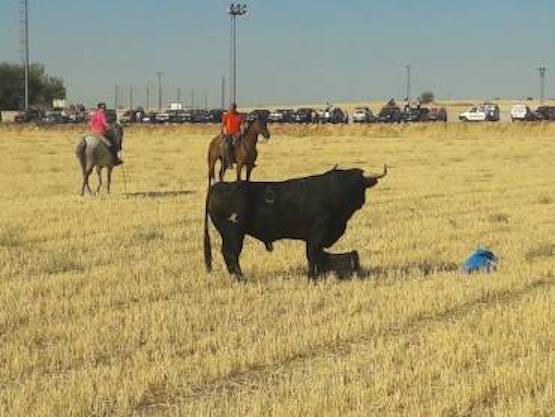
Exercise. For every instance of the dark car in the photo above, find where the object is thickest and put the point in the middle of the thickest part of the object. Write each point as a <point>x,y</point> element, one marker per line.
<point>28,115</point>
<point>259,114</point>
<point>438,114</point>
<point>304,115</point>
<point>416,114</point>
<point>546,112</point>
<point>214,116</point>
<point>198,116</point>
<point>390,114</point>
<point>282,116</point>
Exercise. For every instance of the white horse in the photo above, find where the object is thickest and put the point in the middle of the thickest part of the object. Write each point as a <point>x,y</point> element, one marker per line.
<point>93,153</point>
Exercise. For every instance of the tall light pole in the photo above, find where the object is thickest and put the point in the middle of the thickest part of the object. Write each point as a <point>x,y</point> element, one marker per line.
<point>25,18</point>
<point>131,97</point>
<point>147,97</point>
<point>542,71</point>
<point>223,93</point>
<point>159,75</point>
<point>407,67</point>
<point>116,97</point>
<point>235,9</point>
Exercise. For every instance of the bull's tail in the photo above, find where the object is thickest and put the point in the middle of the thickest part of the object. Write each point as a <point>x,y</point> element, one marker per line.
<point>207,244</point>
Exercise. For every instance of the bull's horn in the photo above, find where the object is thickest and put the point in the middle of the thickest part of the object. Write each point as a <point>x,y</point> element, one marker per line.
<point>377,177</point>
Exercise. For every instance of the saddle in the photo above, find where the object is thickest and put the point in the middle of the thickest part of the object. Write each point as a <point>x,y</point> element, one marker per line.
<point>229,145</point>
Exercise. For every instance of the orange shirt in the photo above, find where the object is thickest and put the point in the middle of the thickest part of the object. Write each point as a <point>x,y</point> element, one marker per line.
<point>232,123</point>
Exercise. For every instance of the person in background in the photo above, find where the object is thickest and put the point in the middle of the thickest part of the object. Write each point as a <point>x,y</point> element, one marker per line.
<point>232,129</point>
<point>99,127</point>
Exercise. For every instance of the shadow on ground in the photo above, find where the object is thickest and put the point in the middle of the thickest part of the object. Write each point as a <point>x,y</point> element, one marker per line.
<point>421,269</point>
<point>159,194</point>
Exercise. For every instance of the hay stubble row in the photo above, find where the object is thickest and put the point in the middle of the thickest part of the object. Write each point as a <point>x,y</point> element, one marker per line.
<point>105,308</point>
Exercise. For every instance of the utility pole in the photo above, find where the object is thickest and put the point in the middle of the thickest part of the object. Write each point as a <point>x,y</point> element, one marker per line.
<point>193,99</point>
<point>205,100</point>
<point>179,95</point>
<point>223,93</point>
<point>542,71</point>
<point>159,75</point>
<point>25,42</point>
<point>235,9</point>
<point>131,97</point>
<point>147,98</point>
<point>116,93</point>
<point>408,83</point>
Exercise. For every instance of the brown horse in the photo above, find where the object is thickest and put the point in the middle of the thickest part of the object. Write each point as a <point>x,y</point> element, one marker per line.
<point>244,154</point>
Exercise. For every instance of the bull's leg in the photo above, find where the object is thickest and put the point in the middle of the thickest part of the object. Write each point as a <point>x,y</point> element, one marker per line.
<point>99,173</point>
<point>315,256</point>
<point>315,245</point>
<point>232,244</point>
<point>109,178</point>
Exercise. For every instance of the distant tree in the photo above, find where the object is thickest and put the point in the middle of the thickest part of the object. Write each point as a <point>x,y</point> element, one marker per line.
<point>427,97</point>
<point>43,88</point>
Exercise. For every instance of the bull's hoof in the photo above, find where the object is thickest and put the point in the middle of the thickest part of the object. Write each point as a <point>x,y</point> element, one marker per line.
<point>269,246</point>
<point>239,277</point>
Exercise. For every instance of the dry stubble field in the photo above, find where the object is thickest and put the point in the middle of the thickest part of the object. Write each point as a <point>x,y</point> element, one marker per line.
<point>105,308</point>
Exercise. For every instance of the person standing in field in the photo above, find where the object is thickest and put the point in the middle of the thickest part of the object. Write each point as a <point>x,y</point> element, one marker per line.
<point>232,129</point>
<point>99,127</point>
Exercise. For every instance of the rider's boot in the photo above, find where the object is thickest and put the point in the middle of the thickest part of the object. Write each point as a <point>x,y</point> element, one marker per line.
<point>117,160</point>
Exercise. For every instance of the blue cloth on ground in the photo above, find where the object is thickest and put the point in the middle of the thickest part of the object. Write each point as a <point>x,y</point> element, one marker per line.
<point>483,260</point>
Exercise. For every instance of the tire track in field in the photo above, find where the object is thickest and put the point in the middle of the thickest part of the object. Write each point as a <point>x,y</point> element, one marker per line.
<point>258,374</point>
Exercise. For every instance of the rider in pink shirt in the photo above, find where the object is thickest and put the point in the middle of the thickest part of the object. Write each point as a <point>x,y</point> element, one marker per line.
<point>100,128</point>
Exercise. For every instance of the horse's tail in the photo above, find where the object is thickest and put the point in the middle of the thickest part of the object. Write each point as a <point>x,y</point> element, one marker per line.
<point>80,153</point>
<point>207,244</point>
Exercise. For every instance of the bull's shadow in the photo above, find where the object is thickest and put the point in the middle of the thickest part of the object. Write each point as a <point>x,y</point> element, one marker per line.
<point>422,269</point>
<point>159,194</point>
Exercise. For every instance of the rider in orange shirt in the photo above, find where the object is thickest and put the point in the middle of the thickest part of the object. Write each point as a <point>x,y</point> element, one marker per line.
<point>232,129</point>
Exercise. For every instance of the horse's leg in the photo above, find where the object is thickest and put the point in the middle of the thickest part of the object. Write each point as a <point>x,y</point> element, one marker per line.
<point>211,173</point>
<point>85,182</point>
<point>249,170</point>
<point>86,174</point>
<point>222,170</point>
<point>109,178</point>
<point>239,169</point>
<point>99,172</point>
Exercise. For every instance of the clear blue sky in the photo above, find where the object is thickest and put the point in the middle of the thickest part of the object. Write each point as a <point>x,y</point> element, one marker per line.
<point>291,51</point>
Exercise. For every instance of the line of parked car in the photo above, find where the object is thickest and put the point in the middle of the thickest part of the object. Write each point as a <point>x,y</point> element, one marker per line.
<point>390,113</point>
<point>489,112</point>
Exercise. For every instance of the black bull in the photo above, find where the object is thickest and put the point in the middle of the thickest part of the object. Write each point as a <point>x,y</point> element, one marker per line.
<point>314,209</point>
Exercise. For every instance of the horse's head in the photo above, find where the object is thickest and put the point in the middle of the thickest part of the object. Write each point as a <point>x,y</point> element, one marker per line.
<point>260,127</point>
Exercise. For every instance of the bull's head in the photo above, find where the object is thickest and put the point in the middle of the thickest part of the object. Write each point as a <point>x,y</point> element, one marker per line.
<point>370,181</point>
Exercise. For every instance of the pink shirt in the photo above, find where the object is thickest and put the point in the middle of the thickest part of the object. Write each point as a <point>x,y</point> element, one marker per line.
<point>98,123</point>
